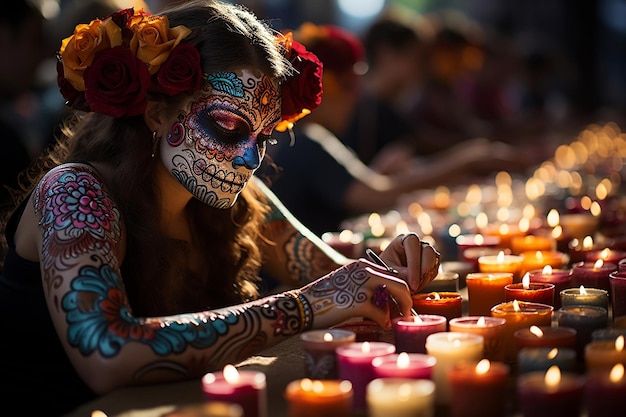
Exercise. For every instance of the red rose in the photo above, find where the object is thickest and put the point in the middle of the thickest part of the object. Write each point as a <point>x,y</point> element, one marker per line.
<point>180,72</point>
<point>75,98</point>
<point>116,83</point>
<point>303,90</point>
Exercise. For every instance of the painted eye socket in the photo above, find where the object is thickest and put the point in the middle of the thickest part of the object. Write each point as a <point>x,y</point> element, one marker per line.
<point>226,127</point>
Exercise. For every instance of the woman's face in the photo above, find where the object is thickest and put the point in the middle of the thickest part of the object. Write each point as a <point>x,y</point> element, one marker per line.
<point>220,135</point>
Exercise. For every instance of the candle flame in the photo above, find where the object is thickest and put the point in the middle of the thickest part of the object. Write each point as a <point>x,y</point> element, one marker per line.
<point>516,306</point>
<point>500,257</point>
<point>231,375</point>
<point>598,264</point>
<point>481,322</point>
<point>547,270</point>
<point>582,290</point>
<point>617,373</point>
<point>523,224</point>
<point>436,296</point>
<point>539,255</point>
<point>619,343</point>
<point>557,232</point>
<point>526,281</point>
<point>552,354</point>
<point>403,360</point>
<point>606,252</point>
<point>417,319</point>
<point>504,229</point>
<point>536,331</point>
<point>365,347</point>
<point>483,366</point>
<point>306,384</point>
<point>328,337</point>
<point>553,377</point>
<point>553,218</point>
<point>318,386</point>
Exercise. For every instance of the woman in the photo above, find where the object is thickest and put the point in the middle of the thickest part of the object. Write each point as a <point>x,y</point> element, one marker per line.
<point>137,259</point>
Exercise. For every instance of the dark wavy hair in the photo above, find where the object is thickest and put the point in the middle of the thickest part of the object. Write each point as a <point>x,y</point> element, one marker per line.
<point>155,270</point>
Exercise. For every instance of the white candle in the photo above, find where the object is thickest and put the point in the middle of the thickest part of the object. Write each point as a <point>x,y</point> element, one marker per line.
<point>449,348</point>
<point>400,397</point>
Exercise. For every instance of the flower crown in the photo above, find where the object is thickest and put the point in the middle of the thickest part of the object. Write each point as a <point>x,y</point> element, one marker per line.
<point>109,66</point>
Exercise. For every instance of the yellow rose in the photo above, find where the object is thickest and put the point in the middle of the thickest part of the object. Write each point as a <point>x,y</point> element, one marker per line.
<point>78,50</point>
<point>153,39</point>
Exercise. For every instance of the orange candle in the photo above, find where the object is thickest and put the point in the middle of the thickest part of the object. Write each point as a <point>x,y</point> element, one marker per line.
<point>504,231</point>
<point>478,388</point>
<point>490,328</point>
<point>447,303</point>
<point>312,398</point>
<point>532,260</point>
<point>532,243</point>
<point>603,354</point>
<point>484,290</point>
<point>501,263</point>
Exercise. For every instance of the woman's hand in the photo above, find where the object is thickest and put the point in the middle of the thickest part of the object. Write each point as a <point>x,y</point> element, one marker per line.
<point>416,261</point>
<point>359,289</point>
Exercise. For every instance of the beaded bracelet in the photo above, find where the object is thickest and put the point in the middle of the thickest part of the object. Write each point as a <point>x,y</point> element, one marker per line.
<point>306,313</point>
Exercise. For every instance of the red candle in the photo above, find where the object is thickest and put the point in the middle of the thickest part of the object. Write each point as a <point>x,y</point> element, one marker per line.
<point>617,281</point>
<point>545,336</point>
<point>536,292</point>
<point>313,398</point>
<point>606,392</point>
<point>448,304</point>
<point>561,278</point>
<point>411,332</point>
<point>490,328</point>
<point>478,389</point>
<point>551,393</point>
<point>484,290</point>
<point>246,388</point>
<point>592,274</point>
<point>404,365</point>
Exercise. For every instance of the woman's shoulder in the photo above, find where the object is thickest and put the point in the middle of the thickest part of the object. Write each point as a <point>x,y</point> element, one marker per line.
<point>72,172</point>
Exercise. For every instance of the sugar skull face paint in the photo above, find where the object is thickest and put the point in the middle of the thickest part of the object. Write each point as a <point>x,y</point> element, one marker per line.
<point>220,138</point>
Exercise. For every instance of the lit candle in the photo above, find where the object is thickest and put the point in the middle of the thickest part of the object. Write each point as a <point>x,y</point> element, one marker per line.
<point>592,274</point>
<point>561,278</point>
<point>545,336</point>
<point>354,362</point>
<point>246,388</point>
<point>504,231</point>
<point>606,392</point>
<point>410,333</point>
<point>604,353</point>
<point>471,255</point>
<point>449,348</point>
<point>578,248</point>
<point>474,243</point>
<point>551,393</point>
<point>490,328</point>
<point>447,304</point>
<point>617,282</point>
<point>532,359</point>
<point>607,255</point>
<point>520,315</point>
<point>536,292</point>
<point>532,260</point>
<point>319,351</point>
<point>579,225</point>
<point>314,398</point>
<point>484,290</point>
<point>478,389</point>
<point>400,397</point>
<point>532,243</point>
<point>585,319</point>
<point>582,296</point>
<point>500,263</point>
<point>404,365</point>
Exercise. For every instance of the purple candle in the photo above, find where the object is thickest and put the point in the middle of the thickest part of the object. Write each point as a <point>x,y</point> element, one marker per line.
<point>246,388</point>
<point>617,280</point>
<point>606,254</point>
<point>561,278</point>
<point>411,332</point>
<point>354,363</point>
<point>404,365</point>
<point>592,274</point>
<point>551,393</point>
<point>606,392</point>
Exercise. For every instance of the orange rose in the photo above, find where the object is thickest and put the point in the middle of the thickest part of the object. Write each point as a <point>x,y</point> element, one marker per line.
<point>77,51</point>
<point>153,39</point>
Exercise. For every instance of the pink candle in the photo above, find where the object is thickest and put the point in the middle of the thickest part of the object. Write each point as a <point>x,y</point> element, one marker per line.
<point>354,362</point>
<point>246,388</point>
<point>561,278</point>
<point>592,274</point>
<point>551,393</point>
<point>478,389</point>
<point>404,365</point>
<point>490,328</point>
<point>606,392</point>
<point>411,332</point>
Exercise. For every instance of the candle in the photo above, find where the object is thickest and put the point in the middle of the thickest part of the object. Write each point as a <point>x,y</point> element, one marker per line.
<point>319,351</point>
<point>449,348</point>
<point>469,245</point>
<point>617,282</point>
<point>610,333</point>
<point>607,255</point>
<point>447,304</point>
<point>504,231</point>
<point>545,336</point>
<point>400,397</point>
<point>536,292</point>
<point>471,255</point>
<point>367,331</point>
<point>500,263</point>
<point>246,388</point>
<point>411,332</point>
<point>404,365</point>
<point>490,328</point>
<point>605,353</point>
<point>313,398</point>
<point>582,296</point>
<point>592,274</point>
<point>354,362</point>
<point>520,315</point>
<point>578,248</point>
<point>606,392</point>
<point>532,243</point>
<point>585,319</point>
<point>202,409</point>
<point>579,225</point>
<point>538,259</point>
<point>561,278</point>
<point>532,359</point>
<point>484,290</point>
<point>551,393</point>
<point>478,389</point>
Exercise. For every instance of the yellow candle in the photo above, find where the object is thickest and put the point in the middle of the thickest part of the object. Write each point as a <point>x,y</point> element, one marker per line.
<point>603,354</point>
<point>501,263</point>
<point>400,397</point>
